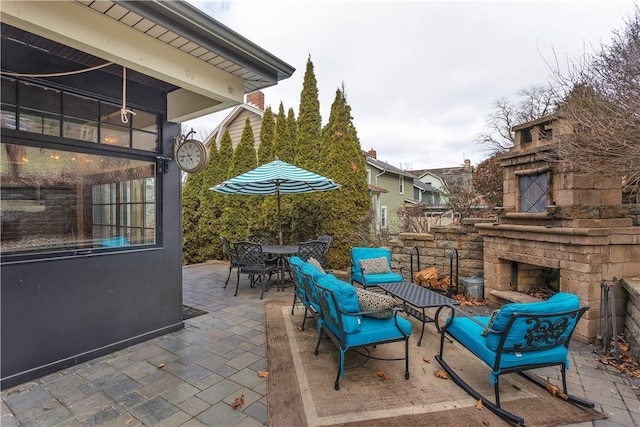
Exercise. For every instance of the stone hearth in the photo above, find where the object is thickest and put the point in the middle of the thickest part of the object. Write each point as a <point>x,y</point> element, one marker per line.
<point>557,220</point>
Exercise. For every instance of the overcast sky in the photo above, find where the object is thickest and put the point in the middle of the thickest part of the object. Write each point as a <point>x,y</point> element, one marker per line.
<point>421,77</point>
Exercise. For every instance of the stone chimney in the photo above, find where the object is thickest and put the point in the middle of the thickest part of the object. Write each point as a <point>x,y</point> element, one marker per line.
<point>372,153</point>
<point>467,163</point>
<point>256,99</point>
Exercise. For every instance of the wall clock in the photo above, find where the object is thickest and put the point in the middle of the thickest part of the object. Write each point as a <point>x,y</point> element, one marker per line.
<point>192,156</point>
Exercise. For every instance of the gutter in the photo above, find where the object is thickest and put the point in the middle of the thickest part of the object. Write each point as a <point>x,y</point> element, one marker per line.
<point>189,22</point>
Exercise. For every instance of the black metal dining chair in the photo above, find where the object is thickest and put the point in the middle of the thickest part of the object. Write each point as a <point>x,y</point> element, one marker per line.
<point>263,239</point>
<point>252,262</point>
<point>313,249</point>
<point>231,255</point>
<point>327,240</point>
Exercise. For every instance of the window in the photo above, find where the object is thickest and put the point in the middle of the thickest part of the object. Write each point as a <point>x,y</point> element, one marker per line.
<point>533,192</point>
<point>401,185</point>
<point>43,110</point>
<point>368,176</point>
<point>383,216</point>
<point>55,200</point>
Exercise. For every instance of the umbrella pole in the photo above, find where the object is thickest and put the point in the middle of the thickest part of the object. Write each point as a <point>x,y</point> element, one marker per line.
<point>279,217</point>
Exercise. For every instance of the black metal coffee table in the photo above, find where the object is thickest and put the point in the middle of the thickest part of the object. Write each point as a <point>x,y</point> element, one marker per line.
<point>416,298</point>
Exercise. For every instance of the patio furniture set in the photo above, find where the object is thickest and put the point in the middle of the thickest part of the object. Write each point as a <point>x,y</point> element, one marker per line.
<point>517,338</point>
<point>259,258</point>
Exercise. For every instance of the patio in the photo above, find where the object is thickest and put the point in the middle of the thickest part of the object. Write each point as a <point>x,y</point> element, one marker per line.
<point>192,377</point>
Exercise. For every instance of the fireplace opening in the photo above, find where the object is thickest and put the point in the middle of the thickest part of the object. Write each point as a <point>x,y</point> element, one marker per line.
<point>534,280</point>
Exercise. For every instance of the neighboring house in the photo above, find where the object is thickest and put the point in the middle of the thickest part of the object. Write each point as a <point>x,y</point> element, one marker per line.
<point>234,122</point>
<point>425,194</point>
<point>444,179</point>
<point>389,187</point>
<point>91,254</point>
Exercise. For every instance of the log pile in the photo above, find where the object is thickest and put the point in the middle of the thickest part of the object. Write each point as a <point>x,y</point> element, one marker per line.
<point>430,278</point>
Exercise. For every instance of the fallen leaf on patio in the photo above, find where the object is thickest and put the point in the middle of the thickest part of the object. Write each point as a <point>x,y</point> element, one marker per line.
<point>441,374</point>
<point>238,402</point>
<point>485,422</point>
<point>555,391</point>
<point>299,328</point>
<point>426,359</point>
<point>479,404</point>
<point>517,387</point>
<point>263,374</point>
<point>383,375</point>
<point>15,390</point>
<point>46,408</point>
<point>160,366</point>
<point>129,421</point>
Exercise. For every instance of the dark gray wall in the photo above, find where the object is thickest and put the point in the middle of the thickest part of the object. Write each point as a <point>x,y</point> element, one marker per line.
<point>58,312</point>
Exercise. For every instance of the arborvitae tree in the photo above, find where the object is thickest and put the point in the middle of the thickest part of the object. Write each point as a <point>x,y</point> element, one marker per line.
<point>239,210</point>
<point>265,150</point>
<point>191,243</point>
<point>344,211</point>
<point>306,221</point>
<point>225,157</point>
<point>309,138</point>
<point>282,144</point>
<point>211,207</point>
<point>293,131</point>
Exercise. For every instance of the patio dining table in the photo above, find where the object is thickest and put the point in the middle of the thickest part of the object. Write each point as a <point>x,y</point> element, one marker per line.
<point>281,251</point>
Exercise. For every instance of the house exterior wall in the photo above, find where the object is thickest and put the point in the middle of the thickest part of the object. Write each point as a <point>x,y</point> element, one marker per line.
<point>437,183</point>
<point>236,126</point>
<point>59,311</point>
<point>392,199</point>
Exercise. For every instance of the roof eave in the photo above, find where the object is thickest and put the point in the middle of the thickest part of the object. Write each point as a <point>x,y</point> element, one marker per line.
<point>191,23</point>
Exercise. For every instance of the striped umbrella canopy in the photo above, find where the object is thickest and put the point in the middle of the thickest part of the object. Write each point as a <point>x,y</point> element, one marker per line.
<point>277,178</point>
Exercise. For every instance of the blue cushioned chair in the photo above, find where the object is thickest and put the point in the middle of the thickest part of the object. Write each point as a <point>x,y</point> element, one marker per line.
<point>305,291</point>
<point>367,280</point>
<point>348,328</point>
<point>522,336</point>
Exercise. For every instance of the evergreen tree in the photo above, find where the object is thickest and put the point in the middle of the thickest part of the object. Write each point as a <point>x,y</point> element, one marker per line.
<point>309,137</point>
<point>282,144</point>
<point>211,207</point>
<point>239,209</point>
<point>267,131</point>
<point>306,220</point>
<point>293,131</point>
<point>190,219</point>
<point>345,212</point>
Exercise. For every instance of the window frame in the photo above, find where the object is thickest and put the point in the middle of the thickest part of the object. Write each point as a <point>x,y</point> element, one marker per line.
<point>400,184</point>
<point>20,137</point>
<point>384,216</point>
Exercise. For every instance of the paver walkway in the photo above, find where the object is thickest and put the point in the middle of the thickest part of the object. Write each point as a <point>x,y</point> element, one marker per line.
<point>214,360</point>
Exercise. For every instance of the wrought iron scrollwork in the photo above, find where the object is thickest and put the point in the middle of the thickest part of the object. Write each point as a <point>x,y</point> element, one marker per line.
<point>546,332</point>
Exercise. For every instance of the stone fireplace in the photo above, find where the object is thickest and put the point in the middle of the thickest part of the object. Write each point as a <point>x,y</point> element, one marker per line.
<point>558,229</point>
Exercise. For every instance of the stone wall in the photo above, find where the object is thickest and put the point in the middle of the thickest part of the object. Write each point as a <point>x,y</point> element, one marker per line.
<point>632,320</point>
<point>435,249</point>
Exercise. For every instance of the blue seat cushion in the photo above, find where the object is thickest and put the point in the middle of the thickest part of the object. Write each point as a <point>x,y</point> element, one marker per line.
<point>376,279</point>
<point>560,302</point>
<point>469,333</point>
<point>347,300</point>
<point>376,330</point>
<point>114,241</point>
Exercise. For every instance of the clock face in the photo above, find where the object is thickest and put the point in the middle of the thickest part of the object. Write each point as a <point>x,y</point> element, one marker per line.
<point>191,156</point>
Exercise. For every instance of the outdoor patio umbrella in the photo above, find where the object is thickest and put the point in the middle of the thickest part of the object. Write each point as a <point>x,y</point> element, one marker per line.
<point>277,178</point>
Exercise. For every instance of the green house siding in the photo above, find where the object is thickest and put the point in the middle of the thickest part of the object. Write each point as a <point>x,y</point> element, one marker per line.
<point>392,199</point>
